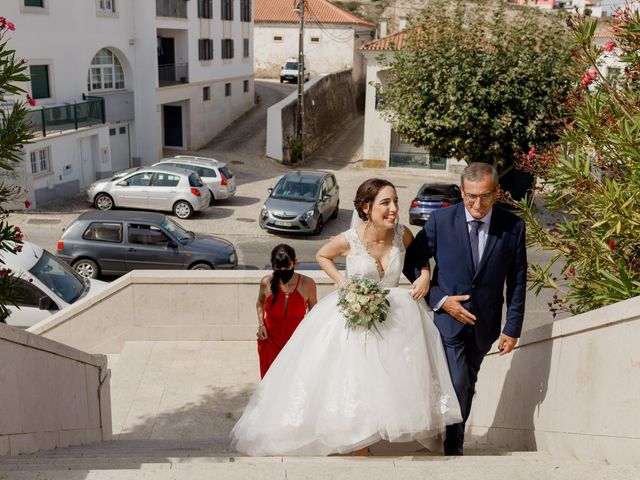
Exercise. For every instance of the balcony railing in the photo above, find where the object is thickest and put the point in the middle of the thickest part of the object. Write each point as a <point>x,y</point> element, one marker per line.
<point>171,8</point>
<point>173,73</point>
<point>71,116</point>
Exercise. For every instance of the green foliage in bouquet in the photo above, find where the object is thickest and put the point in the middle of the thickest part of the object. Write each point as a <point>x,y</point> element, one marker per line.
<point>13,134</point>
<point>479,81</point>
<point>364,303</point>
<point>592,177</point>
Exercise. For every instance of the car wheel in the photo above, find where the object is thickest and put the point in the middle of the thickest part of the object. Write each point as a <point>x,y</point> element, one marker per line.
<point>87,268</point>
<point>336,211</point>
<point>319,226</point>
<point>103,202</point>
<point>200,266</point>
<point>182,209</point>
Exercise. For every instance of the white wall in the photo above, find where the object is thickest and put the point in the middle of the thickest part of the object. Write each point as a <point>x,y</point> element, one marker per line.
<point>52,395</point>
<point>377,132</point>
<point>336,50</point>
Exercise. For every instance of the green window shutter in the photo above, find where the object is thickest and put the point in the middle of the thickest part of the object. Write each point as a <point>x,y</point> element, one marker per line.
<point>34,3</point>
<point>40,81</point>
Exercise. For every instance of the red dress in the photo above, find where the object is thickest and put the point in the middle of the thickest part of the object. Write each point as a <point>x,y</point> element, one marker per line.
<point>280,319</point>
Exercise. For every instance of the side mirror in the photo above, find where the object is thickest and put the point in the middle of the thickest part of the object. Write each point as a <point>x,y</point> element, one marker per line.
<point>269,190</point>
<point>123,183</point>
<point>326,197</point>
<point>172,245</point>
<point>44,303</point>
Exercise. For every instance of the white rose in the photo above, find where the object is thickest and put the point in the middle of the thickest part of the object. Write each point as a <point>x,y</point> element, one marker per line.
<point>356,307</point>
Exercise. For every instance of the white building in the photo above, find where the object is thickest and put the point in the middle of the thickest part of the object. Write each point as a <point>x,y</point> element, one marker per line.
<point>117,81</point>
<point>332,37</point>
<point>382,146</point>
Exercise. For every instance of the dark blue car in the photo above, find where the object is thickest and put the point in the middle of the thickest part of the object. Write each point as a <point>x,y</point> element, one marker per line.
<point>430,197</point>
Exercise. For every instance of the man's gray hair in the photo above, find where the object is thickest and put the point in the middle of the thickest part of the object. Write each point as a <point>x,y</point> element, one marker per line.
<point>476,171</point>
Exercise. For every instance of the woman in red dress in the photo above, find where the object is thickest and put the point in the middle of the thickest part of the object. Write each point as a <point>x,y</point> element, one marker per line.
<point>283,300</point>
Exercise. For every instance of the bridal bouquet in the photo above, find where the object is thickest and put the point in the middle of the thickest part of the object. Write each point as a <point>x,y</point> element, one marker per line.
<point>363,302</point>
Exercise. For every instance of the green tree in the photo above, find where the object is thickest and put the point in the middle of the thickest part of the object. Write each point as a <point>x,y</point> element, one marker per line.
<point>592,178</point>
<point>14,134</point>
<point>479,81</point>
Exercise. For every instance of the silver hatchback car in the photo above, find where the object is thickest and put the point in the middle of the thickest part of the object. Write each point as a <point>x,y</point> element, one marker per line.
<point>214,174</point>
<point>155,188</point>
<point>301,202</point>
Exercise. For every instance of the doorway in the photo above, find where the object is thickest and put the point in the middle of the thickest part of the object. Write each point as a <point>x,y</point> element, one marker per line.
<point>172,116</point>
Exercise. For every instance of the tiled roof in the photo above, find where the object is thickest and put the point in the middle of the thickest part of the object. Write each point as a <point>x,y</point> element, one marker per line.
<point>321,11</point>
<point>391,42</point>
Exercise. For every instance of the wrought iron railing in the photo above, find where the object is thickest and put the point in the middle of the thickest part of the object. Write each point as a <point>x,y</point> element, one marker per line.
<point>171,8</point>
<point>173,73</point>
<point>72,116</point>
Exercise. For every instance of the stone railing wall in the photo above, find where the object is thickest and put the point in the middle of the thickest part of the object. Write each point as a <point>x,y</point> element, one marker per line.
<point>570,388</point>
<point>51,395</point>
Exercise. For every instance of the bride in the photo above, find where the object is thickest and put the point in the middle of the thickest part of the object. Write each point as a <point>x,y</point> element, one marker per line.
<point>337,390</point>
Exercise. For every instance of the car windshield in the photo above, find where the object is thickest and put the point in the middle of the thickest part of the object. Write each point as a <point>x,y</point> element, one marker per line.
<point>123,173</point>
<point>291,66</point>
<point>60,278</point>
<point>427,191</point>
<point>176,230</point>
<point>296,189</point>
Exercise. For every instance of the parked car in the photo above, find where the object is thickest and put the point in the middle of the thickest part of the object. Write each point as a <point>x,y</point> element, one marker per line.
<point>215,175</point>
<point>301,202</point>
<point>155,188</point>
<point>116,242</point>
<point>430,197</point>
<point>289,71</point>
<point>43,285</point>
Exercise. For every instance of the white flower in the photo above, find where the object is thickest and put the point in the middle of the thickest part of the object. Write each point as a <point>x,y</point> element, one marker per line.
<point>350,297</point>
<point>356,307</point>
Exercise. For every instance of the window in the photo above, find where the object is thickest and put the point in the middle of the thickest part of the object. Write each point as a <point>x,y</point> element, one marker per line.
<point>206,93</point>
<point>205,8</point>
<point>112,132</point>
<point>227,89</point>
<point>205,49</point>
<point>315,39</point>
<point>165,180</point>
<point>278,38</point>
<point>147,235</point>
<point>245,47</point>
<point>206,172</point>
<point>227,48</point>
<point>106,6</point>
<point>104,232</point>
<point>40,81</point>
<point>245,10</point>
<point>245,86</point>
<point>34,3</point>
<point>105,72</point>
<point>139,180</point>
<point>40,161</point>
<point>28,295</point>
<point>122,130</point>
<point>227,9</point>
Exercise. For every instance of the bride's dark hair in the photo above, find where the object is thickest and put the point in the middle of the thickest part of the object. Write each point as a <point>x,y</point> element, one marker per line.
<point>366,194</point>
<point>282,256</point>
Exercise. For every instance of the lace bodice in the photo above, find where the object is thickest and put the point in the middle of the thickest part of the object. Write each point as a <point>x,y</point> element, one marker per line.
<point>359,262</point>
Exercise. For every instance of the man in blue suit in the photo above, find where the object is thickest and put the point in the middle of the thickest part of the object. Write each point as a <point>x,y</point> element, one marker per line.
<point>477,248</point>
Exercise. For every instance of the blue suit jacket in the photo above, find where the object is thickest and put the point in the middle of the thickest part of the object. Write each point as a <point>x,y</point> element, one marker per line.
<point>445,238</point>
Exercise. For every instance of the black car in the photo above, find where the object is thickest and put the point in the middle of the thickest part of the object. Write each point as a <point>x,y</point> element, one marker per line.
<point>116,242</point>
<point>430,197</point>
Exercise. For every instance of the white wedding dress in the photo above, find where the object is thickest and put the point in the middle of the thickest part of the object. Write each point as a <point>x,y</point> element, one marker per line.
<point>335,390</point>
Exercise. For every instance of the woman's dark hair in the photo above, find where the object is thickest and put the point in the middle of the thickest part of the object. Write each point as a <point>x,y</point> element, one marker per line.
<point>366,194</point>
<point>282,256</point>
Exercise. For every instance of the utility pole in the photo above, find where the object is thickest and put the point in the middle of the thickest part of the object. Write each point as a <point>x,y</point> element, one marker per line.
<point>300,116</point>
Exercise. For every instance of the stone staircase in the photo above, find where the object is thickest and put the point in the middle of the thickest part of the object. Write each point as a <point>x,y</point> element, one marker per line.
<point>174,403</point>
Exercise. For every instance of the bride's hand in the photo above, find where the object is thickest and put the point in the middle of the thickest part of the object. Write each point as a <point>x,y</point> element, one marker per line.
<point>420,287</point>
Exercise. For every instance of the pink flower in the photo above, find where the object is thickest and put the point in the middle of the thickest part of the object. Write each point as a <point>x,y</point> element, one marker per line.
<point>4,272</point>
<point>612,244</point>
<point>588,78</point>
<point>11,26</point>
<point>18,249</point>
<point>3,22</point>
<point>617,14</point>
<point>27,204</point>
<point>31,101</point>
<point>609,46</point>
